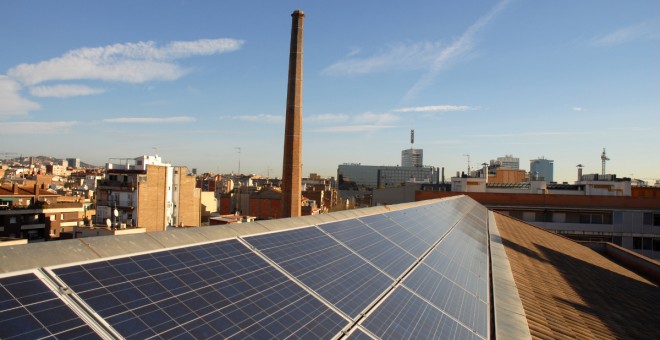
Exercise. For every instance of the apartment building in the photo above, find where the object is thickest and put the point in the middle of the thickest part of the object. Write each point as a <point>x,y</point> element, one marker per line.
<point>147,193</point>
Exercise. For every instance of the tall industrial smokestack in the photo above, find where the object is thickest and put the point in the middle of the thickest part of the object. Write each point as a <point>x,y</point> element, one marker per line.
<point>292,167</point>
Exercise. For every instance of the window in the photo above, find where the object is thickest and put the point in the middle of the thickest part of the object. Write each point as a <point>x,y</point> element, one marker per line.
<point>572,218</point>
<point>53,217</point>
<point>656,219</point>
<point>12,220</point>
<point>656,244</point>
<point>637,243</point>
<point>585,218</point>
<point>542,216</point>
<point>516,214</point>
<point>647,243</point>
<point>648,218</point>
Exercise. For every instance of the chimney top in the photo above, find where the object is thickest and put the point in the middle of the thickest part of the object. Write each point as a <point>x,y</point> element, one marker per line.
<point>298,12</point>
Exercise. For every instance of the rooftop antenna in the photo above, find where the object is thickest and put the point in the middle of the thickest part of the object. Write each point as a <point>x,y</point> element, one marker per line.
<point>579,166</point>
<point>239,159</point>
<point>603,158</point>
<point>412,138</point>
<point>468,160</point>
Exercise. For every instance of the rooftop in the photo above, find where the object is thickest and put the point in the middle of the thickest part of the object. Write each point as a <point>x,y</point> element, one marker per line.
<point>409,270</point>
<point>570,291</point>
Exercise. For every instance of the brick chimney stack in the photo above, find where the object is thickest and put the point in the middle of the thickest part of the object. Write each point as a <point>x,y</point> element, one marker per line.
<point>292,167</point>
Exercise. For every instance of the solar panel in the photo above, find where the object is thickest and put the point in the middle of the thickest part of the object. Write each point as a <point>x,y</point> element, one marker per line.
<point>325,266</point>
<point>397,234</point>
<point>420,272</point>
<point>422,224</point>
<point>213,289</point>
<point>403,315</point>
<point>371,245</point>
<point>31,310</point>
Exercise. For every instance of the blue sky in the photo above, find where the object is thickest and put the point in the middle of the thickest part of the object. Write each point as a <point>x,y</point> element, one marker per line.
<point>195,80</point>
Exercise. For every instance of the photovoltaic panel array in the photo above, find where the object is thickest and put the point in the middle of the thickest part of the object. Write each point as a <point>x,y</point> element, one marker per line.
<point>327,267</point>
<point>449,287</point>
<point>218,289</point>
<point>419,272</point>
<point>31,310</point>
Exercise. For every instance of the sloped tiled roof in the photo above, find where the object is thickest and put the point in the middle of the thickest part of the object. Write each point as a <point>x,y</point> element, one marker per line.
<point>568,290</point>
<point>8,190</point>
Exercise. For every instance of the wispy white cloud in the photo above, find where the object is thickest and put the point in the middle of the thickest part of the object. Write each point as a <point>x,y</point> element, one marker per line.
<point>446,142</point>
<point>354,51</point>
<point>327,118</point>
<point>23,128</point>
<point>640,31</point>
<point>435,108</point>
<point>578,109</point>
<point>363,122</point>
<point>463,45</point>
<point>527,134</point>
<point>353,128</point>
<point>131,62</point>
<point>11,102</point>
<point>395,57</point>
<point>149,120</point>
<point>64,91</point>
<point>375,118</point>
<point>260,118</point>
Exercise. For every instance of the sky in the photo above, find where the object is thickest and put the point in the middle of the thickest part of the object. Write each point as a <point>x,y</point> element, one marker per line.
<point>203,83</point>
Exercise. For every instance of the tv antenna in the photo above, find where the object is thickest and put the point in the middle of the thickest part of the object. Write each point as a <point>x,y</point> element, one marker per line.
<point>468,161</point>
<point>239,159</point>
<point>603,158</point>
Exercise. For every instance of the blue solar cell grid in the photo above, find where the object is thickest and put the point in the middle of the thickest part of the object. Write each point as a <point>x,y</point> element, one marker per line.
<point>403,315</point>
<point>30,310</point>
<point>224,289</point>
<point>213,289</point>
<point>371,245</point>
<point>327,267</point>
<point>397,234</point>
<point>450,283</point>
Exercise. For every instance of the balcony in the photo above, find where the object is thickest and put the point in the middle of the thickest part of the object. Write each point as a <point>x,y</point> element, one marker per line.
<point>116,203</point>
<point>116,185</point>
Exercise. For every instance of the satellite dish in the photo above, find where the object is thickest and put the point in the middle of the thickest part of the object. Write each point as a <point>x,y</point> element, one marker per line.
<point>108,222</point>
<point>116,212</point>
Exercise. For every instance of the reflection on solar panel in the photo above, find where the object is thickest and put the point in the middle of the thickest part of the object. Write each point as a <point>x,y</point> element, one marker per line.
<point>404,315</point>
<point>371,245</point>
<point>30,310</point>
<point>419,272</point>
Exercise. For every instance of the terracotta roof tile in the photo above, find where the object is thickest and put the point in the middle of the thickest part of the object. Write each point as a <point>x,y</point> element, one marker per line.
<point>569,291</point>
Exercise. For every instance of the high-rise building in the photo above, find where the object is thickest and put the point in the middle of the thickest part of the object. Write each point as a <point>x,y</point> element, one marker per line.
<point>412,157</point>
<point>541,169</point>
<point>508,161</point>
<point>381,176</point>
<point>73,162</point>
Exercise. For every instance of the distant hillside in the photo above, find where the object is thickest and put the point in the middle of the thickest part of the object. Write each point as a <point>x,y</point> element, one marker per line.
<point>25,160</point>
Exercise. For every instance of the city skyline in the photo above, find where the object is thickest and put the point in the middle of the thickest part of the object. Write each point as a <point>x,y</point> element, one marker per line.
<point>195,81</point>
